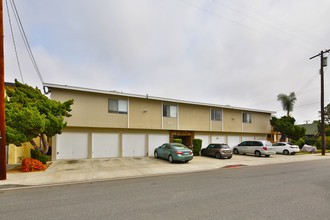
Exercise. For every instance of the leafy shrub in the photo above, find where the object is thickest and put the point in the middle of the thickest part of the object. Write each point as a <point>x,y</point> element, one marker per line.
<point>197,146</point>
<point>327,142</point>
<point>36,154</point>
<point>177,140</point>
<point>300,142</point>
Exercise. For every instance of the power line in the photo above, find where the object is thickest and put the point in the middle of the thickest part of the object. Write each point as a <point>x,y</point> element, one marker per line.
<point>242,25</point>
<point>295,35</point>
<point>261,13</point>
<point>14,43</point>
<point>25,40</point>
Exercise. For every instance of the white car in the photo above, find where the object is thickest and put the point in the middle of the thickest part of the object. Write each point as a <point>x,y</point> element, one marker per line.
<point>256,147</point>
<point>286,148</point>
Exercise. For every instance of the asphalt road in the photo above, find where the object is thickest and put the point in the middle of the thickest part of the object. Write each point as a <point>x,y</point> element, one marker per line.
<point>284,191</point>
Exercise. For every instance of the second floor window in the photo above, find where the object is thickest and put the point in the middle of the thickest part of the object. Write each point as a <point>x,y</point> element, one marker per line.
<point>247,117</point>
<point>118,106</point>
<point>216,115</point>
<point>169,111</point>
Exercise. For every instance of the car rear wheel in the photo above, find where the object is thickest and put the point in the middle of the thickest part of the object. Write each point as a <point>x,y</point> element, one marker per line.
<point>229,157</point>
<point>293,153</point>
<point>257,153</point>
<point>217,155</point>
<point>286,152</point>
<point>267,155</point>
<point>170,159</point>
<point>202,153</point>
<point>236,151</point>
<point>156,154</point>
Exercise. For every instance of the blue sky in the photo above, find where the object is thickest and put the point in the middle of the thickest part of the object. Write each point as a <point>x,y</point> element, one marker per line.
<point>229,52</point>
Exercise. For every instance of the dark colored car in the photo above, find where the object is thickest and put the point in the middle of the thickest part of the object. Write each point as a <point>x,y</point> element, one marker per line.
<point>217,151</point>
<point>174,152</point>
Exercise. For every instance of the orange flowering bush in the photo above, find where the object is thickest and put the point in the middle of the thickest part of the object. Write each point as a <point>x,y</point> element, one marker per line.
<point>29,164</point>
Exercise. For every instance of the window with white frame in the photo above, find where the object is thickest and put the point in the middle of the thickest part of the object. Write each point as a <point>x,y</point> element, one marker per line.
<point>216,115</point>
<point>118,106</point>
<point>169,110</point>
<point>247,117</point>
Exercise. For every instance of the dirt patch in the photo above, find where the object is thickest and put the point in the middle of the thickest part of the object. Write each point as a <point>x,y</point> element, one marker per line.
<point>18,169</point>
<point>72,161</point>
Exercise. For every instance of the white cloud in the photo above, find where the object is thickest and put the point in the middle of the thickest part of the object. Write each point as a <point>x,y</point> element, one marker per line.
<point>241,53</point>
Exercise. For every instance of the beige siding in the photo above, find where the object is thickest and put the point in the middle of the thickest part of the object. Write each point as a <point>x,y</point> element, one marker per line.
<point>216,125</point>
<point>91,110</point>
<point>232,120</point>
<point>170,123</point>
<point>144,113</point>
<point>194,117</point>
<point>260,124</point>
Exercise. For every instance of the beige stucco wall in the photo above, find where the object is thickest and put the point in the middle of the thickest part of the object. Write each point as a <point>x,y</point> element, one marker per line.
<point>145,113</point>
<point>170,123</point>
<point>91,110</point>
<point>260,123</point>
<point>194,117</point>
<point>17,154</point>
<point>232,120</point>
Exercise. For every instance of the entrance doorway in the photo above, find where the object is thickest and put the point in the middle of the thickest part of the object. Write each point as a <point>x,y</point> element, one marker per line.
<point>185,136</point>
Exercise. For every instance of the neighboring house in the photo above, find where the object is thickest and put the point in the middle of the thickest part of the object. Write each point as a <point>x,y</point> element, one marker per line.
<point>311,130</point>
<point>17,154</point>
<point>108,124</point>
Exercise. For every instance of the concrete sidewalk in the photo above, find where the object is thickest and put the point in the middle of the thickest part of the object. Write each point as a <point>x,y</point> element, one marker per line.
<point>89,170</point>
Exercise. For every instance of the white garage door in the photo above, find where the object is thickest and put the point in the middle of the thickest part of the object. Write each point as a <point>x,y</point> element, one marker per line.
<point>205,140</point>
<point>219,139</point>
<point>134,145</point>
<point>72,145</point>
<point>233,141</point>
<point>105,145</point>
<point>261,137</point>
<point>247,138</point>
<point>156,140</point>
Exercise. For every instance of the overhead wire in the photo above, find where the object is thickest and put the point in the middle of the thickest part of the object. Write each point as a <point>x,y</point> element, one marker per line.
<point>270,25</point>
<point>242,25</point>
<point>14,43</point>
<point>25,40</point>
<point>261,13</point>
<point>308,83</point>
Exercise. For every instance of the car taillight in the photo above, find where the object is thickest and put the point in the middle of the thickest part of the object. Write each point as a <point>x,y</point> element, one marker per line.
<point>191,152</point>
<point>178,152</point>
<point>265,148</point>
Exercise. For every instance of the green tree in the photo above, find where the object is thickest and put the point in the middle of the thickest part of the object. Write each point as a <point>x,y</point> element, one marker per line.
<point>287,101</point>
<point>30,114</point>
<point>326,121</point>
<point>285,125</point>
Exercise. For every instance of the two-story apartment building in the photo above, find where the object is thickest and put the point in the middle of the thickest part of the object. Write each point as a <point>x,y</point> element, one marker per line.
<point>114,124</point>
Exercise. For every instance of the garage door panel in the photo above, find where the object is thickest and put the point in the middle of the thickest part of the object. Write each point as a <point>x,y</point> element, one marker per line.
<point>219,139</point>
<point>134,145</point>
<point>72,145</point>
<point>233,141</point>
<point>205,140</point>
<point>156,140</point>
<point>105,145</point>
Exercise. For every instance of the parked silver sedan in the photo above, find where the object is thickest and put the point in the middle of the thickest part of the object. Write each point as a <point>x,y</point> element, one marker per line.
<point>286,148</point>
<point>256,147</point>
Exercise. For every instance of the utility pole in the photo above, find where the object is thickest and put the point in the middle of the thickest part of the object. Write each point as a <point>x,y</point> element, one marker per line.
<point>322,96</point>
<point>2,103</point>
